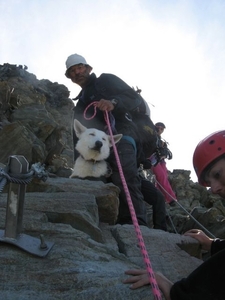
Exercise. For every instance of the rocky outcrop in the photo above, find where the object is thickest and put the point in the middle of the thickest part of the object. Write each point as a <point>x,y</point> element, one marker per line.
<point>197,206</point>
<point>35,119</point>
<point>90,252</point>
<point>89,256</point>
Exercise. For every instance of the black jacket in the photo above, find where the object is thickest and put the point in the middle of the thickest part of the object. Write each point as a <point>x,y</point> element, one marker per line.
<point>207,282</point>
<point>217,245</point>
<point>108,86</point>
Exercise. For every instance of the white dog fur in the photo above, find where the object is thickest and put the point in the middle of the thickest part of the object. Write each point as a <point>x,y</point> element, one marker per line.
<point>94,147</point>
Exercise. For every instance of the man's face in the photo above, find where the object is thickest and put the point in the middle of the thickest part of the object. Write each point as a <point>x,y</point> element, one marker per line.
<point>160,129</point>
<point>215,178</point>
<point>79,74</point>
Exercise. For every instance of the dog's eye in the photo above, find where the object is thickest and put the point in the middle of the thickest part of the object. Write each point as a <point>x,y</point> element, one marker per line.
<point>92,134</point>
<point>104,139</point>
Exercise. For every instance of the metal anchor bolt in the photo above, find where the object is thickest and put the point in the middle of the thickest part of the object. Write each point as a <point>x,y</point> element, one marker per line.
<point>43,245</point>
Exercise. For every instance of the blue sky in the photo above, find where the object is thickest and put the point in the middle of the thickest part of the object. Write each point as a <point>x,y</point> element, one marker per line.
<point>173,50</point>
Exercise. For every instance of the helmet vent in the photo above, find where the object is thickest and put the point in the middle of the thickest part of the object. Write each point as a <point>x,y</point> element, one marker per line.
<point>211,142</point>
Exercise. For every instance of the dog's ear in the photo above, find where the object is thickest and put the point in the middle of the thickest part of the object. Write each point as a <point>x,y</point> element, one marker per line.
<point>78,127</point>
<point>116,138</point>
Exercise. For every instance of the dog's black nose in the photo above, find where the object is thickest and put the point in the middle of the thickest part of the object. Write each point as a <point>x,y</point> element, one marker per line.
<point>98,145</point>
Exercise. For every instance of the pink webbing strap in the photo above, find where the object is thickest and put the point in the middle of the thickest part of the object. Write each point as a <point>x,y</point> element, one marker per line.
<point>154,285</point>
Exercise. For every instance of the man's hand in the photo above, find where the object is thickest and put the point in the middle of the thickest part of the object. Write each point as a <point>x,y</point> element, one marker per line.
<point>105,105</point>
<point>139,278</point>
<point>200,236</point>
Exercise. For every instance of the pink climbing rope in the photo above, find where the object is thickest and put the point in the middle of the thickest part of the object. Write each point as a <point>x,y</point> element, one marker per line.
<point>95,111</point>
<point>152,280</point>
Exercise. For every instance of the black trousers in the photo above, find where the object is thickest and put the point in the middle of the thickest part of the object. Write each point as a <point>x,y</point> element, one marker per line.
<point>155,198</point>
<point>128,160</point>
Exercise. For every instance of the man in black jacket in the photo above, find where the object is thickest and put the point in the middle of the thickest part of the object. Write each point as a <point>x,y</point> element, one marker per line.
<point>113,95</point>
<point>207,282</point>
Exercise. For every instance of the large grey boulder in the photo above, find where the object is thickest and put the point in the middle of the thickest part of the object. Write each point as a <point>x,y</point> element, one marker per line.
<point>89,257</point>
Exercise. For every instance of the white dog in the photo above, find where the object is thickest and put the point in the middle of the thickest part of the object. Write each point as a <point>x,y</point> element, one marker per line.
<point>94,147</point>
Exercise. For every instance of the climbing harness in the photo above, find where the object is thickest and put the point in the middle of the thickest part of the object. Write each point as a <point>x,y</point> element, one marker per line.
<point>153,282</point>
<point>178,203</point>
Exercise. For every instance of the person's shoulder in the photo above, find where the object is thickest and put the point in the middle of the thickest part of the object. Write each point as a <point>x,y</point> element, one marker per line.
<point>112,79</point>
<point>107,78</point>
<point>108,75</point>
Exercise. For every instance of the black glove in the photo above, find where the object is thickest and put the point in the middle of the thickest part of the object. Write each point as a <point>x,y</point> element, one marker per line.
<point>152,161</point>
<point>146,164</point>
<point>164,152</point>
<point>169,154</point>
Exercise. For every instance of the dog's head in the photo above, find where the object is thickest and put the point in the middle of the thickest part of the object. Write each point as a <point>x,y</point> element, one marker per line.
<point>93,144</point>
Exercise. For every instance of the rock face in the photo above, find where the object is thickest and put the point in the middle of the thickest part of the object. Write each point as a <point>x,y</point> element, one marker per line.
<point>89,256</point>
<point>197,206</point>
<point>35,118</point>
<point>90,252</point>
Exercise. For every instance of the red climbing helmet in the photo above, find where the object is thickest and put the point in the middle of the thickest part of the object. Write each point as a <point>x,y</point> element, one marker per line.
<point>209,149</point>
